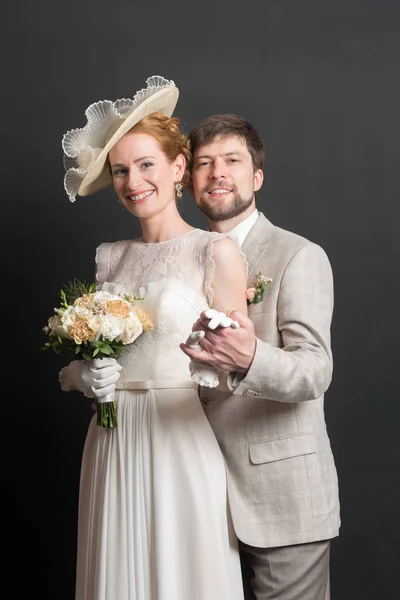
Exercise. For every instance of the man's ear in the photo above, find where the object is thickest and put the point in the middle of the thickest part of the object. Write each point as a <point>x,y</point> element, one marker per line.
<point>258,179</point>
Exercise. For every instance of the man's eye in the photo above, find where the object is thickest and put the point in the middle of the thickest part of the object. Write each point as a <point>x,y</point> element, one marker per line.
<point>233,160</point>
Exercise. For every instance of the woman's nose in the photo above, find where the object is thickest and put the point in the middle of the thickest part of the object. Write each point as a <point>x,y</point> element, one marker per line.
<point>134,180</point>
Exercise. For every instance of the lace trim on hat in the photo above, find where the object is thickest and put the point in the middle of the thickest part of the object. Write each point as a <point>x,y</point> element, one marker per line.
<point>82,146</point>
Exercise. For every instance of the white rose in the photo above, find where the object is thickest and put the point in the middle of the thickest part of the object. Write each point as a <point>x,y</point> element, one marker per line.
<point>103,296</point>
<point>111,327</point>
<point>95,324</point>
<point>57,328</point>
<point>132,328</point>
<point>68,319</point>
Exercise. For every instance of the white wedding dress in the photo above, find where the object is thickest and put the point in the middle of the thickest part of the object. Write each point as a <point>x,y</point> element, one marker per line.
<point>153,516</point>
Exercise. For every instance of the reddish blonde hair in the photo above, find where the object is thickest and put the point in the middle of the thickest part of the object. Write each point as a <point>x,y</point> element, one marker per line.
<point>168,134</point>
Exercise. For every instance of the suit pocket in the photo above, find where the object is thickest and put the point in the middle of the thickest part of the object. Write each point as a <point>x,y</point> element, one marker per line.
<point>281,448</point>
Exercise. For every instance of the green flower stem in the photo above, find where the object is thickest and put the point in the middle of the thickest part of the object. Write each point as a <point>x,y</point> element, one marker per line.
<point>107,414</point>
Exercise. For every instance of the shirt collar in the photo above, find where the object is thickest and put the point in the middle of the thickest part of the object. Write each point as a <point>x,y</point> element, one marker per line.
<point>240,231</point>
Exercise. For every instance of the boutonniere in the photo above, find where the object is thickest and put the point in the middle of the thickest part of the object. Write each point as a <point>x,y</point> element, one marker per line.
<point>255,293</point>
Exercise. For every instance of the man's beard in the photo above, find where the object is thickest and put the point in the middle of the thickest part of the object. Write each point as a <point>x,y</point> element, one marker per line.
<point>237,206</point>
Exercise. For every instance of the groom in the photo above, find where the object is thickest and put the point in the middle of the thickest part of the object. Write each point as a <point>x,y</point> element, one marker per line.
<point>269,417</point>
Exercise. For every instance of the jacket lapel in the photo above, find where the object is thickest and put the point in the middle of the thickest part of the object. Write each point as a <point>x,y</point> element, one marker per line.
<point>254,246</point>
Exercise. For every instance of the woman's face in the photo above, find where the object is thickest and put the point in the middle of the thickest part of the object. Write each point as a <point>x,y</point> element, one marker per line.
<point>143,177</point>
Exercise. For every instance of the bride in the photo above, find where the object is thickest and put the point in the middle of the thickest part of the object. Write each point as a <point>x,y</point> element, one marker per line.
<point>153,518</point>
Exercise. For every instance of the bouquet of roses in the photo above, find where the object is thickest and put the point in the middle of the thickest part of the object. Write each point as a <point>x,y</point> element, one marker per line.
<point>95,324</point>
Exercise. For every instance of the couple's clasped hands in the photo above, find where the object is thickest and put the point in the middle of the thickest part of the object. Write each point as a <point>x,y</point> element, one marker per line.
<point>219,342</point>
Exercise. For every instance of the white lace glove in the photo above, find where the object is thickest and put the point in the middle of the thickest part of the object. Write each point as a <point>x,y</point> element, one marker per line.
<point>94,378</point>
<point>203,373</point>
<point>219,319</point>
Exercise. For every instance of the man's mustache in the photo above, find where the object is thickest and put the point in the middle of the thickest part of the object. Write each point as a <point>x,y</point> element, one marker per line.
<point>219,184</point>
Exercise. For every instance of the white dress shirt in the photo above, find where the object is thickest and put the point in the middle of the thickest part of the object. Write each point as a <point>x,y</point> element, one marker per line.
<point>240,231</point>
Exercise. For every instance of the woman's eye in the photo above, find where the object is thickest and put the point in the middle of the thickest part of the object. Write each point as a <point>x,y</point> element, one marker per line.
<point>146,165</point>
<point>119,172</point>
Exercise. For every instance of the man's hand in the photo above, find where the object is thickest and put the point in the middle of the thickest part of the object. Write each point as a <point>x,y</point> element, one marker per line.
<point>225,347</point>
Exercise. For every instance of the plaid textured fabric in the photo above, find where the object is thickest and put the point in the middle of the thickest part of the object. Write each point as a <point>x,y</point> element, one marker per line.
<point>282,480</point>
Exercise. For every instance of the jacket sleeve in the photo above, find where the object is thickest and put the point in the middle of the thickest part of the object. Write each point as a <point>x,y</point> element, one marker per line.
<point>301,369</point>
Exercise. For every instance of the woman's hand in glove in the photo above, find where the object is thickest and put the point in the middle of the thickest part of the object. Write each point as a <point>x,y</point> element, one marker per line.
<point>94,378</point>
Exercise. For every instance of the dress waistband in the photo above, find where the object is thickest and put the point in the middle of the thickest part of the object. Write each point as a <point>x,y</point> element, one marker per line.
<point>156,384</point>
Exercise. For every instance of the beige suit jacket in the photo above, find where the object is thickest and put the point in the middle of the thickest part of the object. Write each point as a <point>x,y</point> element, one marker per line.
<point>282,481</point>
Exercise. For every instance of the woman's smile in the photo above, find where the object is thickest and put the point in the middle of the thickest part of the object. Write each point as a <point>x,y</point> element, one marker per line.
<point>139,198</point>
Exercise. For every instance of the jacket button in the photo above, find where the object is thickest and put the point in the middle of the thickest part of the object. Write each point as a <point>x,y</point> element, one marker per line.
<point>206,400</point>
<point>250,392</point>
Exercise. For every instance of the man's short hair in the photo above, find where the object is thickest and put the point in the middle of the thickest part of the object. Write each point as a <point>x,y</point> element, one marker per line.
<point>221,126</point>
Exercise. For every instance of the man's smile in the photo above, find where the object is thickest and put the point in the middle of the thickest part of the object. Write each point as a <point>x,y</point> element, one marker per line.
<point>219,191</point>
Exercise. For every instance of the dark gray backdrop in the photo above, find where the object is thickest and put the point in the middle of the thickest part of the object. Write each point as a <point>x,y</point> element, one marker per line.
<point>320,79</point>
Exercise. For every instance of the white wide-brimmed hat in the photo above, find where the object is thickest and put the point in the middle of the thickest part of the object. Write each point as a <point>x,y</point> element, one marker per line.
<point>86,149</point>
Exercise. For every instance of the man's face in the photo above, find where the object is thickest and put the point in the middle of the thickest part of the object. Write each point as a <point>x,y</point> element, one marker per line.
<point>223,178</point>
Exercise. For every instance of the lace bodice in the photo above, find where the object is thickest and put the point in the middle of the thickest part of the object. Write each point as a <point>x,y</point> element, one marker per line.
<point>175,279</point>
